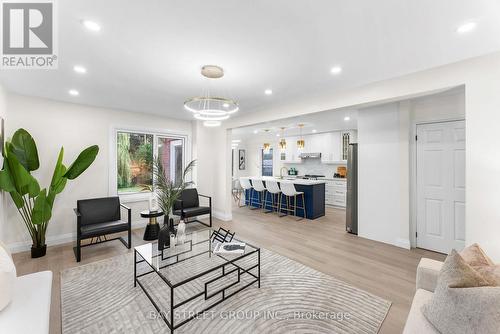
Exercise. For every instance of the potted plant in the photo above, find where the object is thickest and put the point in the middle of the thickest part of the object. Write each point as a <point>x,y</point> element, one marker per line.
<point>35,204</point>
<point>167,190</point>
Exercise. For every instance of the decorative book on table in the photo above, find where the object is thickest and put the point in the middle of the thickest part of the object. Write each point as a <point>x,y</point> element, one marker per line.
<point>229,247</point>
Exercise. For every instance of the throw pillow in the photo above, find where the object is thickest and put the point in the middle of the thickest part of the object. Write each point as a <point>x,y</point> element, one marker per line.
<point>490,273</point>
<point>463,303</point>
<point>475,256</point>
<point>7,278</point>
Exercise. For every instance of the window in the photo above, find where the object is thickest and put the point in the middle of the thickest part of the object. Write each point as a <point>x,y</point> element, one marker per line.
<point>267,163</point>
<point>135,153</point>
<point>134,161</point>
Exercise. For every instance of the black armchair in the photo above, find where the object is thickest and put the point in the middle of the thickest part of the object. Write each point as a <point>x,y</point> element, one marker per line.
<point>97,217</point>
<point>188,206</point>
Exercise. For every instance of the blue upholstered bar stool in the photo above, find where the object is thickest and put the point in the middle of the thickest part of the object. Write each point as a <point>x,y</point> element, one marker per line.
<point>258,186</point>
<point>246,185</point>
<point>273,189</point>
<point>288,189</point>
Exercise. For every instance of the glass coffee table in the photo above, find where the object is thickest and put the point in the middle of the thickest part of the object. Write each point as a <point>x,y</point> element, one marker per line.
<point>184,281</point>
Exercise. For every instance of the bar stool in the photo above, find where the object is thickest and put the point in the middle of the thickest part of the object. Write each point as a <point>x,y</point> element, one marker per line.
<point>273,189</point>
<point>258,186</point>
<point>246,185</point>
<point>288,189</point>
<point>236,190</point>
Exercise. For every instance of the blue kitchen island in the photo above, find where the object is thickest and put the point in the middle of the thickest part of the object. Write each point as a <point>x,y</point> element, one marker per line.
<point>314,193</point>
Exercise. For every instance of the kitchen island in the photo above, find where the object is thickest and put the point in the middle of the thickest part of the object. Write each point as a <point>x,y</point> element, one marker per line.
<point>314,194</point>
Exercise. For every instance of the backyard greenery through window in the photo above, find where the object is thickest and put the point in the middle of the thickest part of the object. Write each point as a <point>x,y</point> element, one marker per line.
<point>136,153</point>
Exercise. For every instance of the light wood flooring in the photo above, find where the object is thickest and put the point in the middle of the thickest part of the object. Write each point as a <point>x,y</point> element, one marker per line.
<point>384,270</point>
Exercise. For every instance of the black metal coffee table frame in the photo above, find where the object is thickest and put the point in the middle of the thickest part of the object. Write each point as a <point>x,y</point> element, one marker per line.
<point>240,270</point>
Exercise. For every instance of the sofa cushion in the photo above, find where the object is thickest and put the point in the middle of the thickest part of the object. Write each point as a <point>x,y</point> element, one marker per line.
<point>475,256</point>
<point>7,278</point>
<point>4,246</point>
<point>94,230</point>
<point>416,323</point>
<point>193,212</point>
<point>463,303</point>
<point>29,311</point>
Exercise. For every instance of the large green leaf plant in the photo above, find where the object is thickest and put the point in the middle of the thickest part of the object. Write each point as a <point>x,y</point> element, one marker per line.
<point>35,204</point>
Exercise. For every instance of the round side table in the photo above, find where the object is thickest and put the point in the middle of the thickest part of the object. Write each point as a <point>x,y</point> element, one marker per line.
<point>152,228</point>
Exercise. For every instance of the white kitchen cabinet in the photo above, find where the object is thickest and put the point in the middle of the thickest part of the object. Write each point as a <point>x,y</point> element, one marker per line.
<point>331,147</point>
<point>336,192</point>
<point>313,143</point>
<point>329,144</point>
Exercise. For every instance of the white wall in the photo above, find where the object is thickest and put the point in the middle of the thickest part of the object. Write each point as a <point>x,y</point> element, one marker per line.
<point>3,114</point>
<point>481,78</point>
<point>444,106</point>
<point>55,124</point>
<point>380,197</point>
<point>212,145</point>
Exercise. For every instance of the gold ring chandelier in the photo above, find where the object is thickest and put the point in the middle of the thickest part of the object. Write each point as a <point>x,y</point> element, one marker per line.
<point>211,109</point>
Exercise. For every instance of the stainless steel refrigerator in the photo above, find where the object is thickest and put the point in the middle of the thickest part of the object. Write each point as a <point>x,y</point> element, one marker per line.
<point>351,220</point>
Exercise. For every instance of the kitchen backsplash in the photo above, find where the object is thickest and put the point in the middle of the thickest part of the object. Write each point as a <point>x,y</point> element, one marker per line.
<point>314,166</point>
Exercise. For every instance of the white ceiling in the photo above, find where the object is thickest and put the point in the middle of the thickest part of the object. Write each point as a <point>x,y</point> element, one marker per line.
<point>148,54</point>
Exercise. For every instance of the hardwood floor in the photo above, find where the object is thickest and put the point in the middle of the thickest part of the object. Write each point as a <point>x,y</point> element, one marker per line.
<point>384,270</point>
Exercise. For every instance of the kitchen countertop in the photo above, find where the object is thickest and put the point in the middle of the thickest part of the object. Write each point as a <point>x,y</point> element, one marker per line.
<point>290,180</point>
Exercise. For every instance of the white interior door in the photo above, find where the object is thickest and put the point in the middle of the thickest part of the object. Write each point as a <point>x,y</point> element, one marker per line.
<point>441,186</point>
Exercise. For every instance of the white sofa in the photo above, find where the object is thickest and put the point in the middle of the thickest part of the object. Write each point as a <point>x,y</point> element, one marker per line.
<point>427,274</point>
<point>29,309</point>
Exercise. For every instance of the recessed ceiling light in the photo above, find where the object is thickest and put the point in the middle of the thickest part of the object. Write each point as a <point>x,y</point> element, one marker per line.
<point>255,131</point>
<point>91,25</point>
<point>277,135</point>
<point>467,27</point>
<point>268,92</point>
<point>236,140</point>
<point>79,69</point>
<point>73,92</point>
<point>336,70</point>
<point>314,131</point>
<point>347,118</point>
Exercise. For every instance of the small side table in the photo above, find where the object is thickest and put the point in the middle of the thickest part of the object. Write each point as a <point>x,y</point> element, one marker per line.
<point>152,228</point>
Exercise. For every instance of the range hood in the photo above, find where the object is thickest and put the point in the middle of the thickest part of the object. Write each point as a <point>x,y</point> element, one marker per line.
<point>310,155</point>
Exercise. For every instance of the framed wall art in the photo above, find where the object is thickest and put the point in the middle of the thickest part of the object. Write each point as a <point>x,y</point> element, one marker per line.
<point>242,160</point>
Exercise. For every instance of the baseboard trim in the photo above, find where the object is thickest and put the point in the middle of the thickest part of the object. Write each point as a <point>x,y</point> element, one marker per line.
<point>54,240</point>
<point>403,243</point>
<point>222,215</point>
